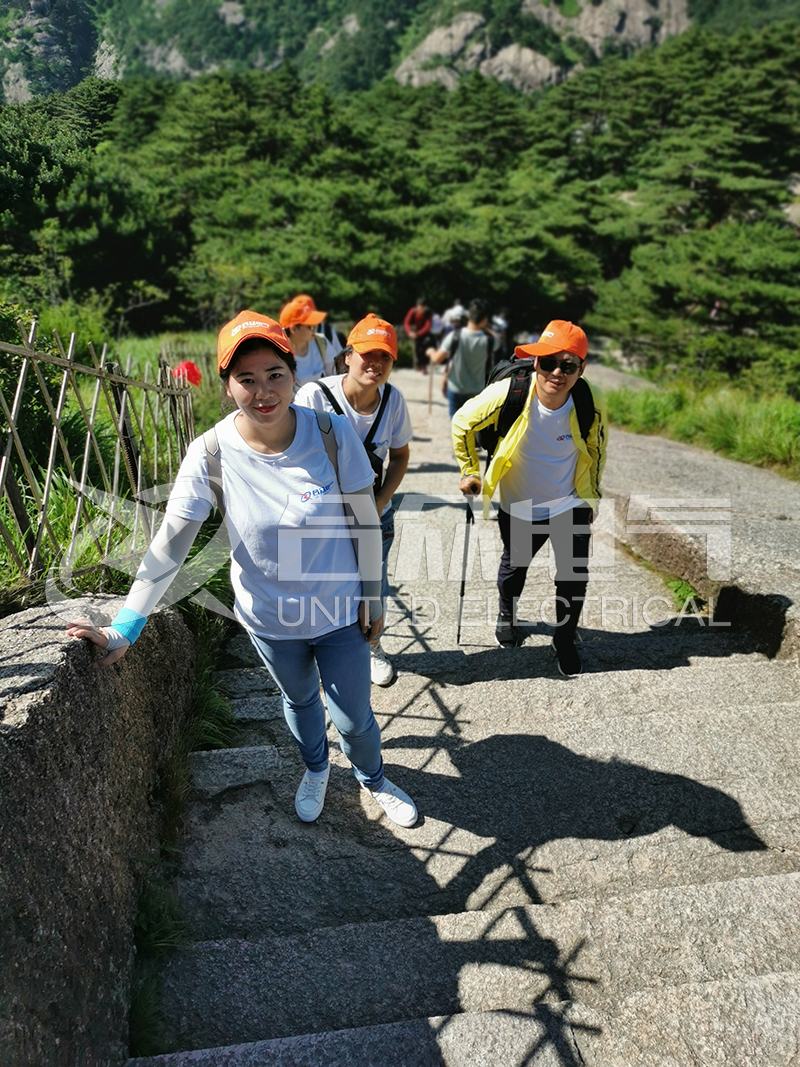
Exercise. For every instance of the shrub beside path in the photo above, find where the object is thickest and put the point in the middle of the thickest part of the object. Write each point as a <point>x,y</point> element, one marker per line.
<point>606,869</point>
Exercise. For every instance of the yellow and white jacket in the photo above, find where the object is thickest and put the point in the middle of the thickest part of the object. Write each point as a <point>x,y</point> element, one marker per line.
<point>484,410</point>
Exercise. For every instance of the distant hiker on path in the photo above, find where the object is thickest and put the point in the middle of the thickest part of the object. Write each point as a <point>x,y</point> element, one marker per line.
<point>379,415</point>
<point>547,466</point>
<point>455,315</point>
<point>417,324</point>
<point>272,468</point>
<point>500,327</point>
<point>469,352</point>
<point>300,320</point>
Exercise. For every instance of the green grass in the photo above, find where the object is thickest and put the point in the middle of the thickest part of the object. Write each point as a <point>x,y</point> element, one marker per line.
<point>145,1018</point>
<point>88,573</point>
<point>683,592</point>
<point>727,420</point>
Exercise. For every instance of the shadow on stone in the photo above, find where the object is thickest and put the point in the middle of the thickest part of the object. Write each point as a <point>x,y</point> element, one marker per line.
<point>762,618</point>
<point>524,791</point>
<point>659,648</point>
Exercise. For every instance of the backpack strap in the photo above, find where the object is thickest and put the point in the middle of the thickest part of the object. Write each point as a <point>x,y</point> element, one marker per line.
<point>487,370</point>
<point>214,462</point>
<point>515,399</point>
<point>334,403</point>
<point>384,401</point>
<point>584,406</point>
<point>325,424</point>
<point>322,347</point>
<point>456,332</point>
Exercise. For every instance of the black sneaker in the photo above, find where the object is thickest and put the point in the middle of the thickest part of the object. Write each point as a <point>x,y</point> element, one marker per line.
<point>505,634</point>
<point>567,658</point>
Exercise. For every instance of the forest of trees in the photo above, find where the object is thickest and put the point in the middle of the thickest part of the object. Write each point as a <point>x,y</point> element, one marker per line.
<point>646,198</point>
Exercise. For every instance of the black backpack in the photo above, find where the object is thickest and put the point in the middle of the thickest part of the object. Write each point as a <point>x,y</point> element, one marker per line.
<point>520,371</point>
<point>375,460</point>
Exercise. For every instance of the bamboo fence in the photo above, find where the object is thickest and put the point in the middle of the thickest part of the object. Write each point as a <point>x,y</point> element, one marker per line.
<point>152,425</point>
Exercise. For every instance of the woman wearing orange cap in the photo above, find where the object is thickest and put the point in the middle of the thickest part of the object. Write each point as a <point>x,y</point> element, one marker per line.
<point>379,415</point>
<point>304,596</point>
<point>326,328</point>
<point>300,319</point>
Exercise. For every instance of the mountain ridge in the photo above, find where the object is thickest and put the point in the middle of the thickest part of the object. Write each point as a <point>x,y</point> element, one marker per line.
<point>51,45</point>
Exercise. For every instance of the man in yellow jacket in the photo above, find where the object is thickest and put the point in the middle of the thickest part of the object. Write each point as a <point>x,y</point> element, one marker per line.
<point>548,477</point>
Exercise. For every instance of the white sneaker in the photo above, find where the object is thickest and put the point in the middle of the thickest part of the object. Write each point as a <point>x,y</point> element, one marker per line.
<point>310,796</point>
<point>398,805</point>
<point>381,671</point>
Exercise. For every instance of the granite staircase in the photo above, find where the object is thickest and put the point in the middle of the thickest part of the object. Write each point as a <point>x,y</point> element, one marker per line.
<point>606,869</point>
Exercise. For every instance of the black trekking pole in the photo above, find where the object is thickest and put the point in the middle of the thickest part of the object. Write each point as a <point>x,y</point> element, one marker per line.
<point>470,521</point>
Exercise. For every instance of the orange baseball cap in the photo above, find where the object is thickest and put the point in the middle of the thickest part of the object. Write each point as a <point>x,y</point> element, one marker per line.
<point>558,336</point>
<point>372,333</point>
<point>301,312</point>
<point>249,324</point>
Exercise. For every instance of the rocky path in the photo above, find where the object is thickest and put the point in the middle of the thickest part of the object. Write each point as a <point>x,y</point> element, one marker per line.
<point>605,869</point>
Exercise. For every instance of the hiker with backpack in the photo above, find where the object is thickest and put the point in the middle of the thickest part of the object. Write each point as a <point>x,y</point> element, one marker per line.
<point>308,599</point>
<point>379,415</point>
<point>468,351</point>
<point>545,434</point>
<point>300,320</point>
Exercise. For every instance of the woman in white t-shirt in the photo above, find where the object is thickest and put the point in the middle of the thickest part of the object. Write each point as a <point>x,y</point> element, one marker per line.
<point>314,359</point>
<point>379,415</point>
<point>308,601</point>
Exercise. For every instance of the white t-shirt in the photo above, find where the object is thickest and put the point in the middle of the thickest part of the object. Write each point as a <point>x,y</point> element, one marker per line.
<point>543,465</point>
<point>394,429</point>
<point>311,367</point>
<point>454,315</point>
<point>293,576</point>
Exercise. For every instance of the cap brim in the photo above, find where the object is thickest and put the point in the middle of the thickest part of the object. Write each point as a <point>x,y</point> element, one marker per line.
<point>281,345</point>
<point>541,348</point>
<point>362,347</point>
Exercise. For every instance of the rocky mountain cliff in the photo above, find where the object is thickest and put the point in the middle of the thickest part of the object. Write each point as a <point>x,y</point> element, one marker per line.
<point>467,44</point>
<point>52,44</point>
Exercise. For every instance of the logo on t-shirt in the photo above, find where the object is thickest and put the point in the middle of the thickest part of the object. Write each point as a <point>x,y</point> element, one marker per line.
<point>315,492</point>
<point>564,437</point>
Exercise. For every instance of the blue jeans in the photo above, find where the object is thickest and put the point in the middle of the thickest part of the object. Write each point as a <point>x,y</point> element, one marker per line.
<point>341,659</point>
<point>457,400</point>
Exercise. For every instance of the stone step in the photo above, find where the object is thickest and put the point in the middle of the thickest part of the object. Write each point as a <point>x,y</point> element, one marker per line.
<point>533,804</point>
<point>238,682</point>
<point>743,1022</point>
<point>471,1039</point>
<point>704,685</point>
<point>218,770</point>
<point>736,1023</point>
<point>603,657</point>
<point>258,707</point>
<point>596,952</point>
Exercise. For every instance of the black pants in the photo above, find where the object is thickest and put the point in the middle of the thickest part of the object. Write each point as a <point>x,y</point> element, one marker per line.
<point>569,534</point>
<point>421,345</point>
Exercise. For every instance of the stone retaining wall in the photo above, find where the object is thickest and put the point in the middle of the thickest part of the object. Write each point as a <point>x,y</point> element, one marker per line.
<point>80,754</point>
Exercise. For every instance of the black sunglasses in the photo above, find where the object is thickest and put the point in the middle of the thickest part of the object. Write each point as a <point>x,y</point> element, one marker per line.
<point>549,364</point>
